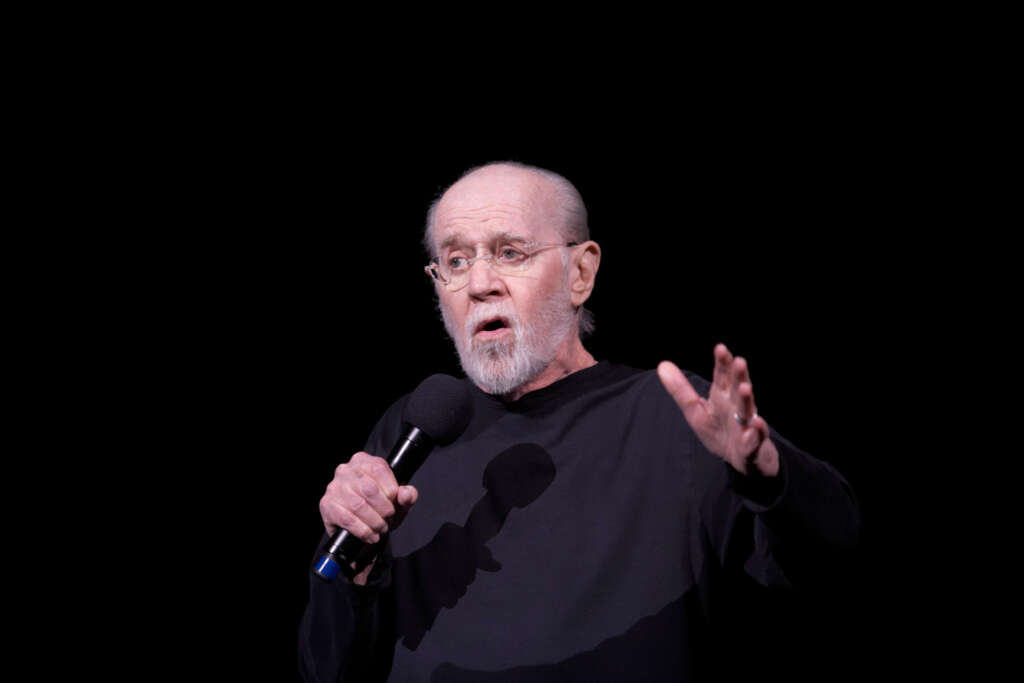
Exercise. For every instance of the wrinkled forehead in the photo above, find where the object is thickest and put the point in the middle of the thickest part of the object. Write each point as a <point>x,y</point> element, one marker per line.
<point>487,209</point>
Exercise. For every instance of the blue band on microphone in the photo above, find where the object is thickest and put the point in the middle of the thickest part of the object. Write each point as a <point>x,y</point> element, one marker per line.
<point>328,568</point>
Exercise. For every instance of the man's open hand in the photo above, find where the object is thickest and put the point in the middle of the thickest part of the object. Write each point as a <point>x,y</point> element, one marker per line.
<point>726,422</point>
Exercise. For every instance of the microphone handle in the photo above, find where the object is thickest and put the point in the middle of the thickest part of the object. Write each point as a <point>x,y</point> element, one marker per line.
<point>410,451</point>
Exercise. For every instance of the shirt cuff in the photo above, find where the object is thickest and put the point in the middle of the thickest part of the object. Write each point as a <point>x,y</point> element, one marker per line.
<point>760,493</point>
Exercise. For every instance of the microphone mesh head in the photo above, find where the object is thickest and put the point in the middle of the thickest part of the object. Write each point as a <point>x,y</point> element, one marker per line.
<point>440,406</point>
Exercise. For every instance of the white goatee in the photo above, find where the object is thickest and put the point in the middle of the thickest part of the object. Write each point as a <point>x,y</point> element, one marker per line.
<point>503,365</point>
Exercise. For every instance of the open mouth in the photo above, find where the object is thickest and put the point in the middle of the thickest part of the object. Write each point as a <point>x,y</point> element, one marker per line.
<point>492,325</point>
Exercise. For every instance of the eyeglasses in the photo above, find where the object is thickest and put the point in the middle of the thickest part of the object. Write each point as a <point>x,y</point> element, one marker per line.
<point>507,259</point>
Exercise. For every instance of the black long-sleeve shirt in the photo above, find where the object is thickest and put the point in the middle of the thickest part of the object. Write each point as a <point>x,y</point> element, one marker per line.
<point>581,533</point>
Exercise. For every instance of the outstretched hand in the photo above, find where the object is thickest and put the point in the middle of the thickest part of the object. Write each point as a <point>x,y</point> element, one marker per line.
<point>726,422</point>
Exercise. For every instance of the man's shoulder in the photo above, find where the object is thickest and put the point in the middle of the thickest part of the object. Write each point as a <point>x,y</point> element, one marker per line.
<point>624,376</point>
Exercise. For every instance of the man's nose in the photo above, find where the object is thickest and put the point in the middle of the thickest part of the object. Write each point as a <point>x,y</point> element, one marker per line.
<point>483,280</point>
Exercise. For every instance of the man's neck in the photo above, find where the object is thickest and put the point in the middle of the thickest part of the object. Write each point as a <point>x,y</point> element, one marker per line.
<point>570,357</point>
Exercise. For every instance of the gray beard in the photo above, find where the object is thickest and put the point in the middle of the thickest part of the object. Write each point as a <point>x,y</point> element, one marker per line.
<point>504,365</point>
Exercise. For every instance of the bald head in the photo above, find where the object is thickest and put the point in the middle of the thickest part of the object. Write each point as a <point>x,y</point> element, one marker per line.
<point>548,198</point>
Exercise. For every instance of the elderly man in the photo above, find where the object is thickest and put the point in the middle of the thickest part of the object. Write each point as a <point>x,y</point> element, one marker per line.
<point>588,520</point>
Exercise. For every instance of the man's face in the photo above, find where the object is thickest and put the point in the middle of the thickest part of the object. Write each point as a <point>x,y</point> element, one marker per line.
<point>506,327</point>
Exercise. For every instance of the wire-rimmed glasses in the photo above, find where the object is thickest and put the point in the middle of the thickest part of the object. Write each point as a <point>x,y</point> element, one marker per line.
<point>452,271</point>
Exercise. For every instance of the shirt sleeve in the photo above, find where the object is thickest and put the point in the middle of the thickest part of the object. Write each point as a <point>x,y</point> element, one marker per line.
<point>343,635</point>
<point>788,530</point>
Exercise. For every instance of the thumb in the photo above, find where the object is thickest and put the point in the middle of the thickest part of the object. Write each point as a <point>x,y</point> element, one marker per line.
<point>407,496</point>
<point>676,384</point>
<point>682,392</point>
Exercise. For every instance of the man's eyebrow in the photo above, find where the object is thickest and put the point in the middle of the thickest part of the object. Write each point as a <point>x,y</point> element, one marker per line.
<point>456,240</point>
<point>449,241</point>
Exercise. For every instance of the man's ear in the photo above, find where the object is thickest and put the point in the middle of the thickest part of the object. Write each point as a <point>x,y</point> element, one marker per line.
<point>584,271</point>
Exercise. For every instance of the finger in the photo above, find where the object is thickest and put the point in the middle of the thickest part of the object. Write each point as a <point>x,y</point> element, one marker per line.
<point>372,478</point>
<point>720,375</point>
<point>750,439</point>
<point>761,425</point>
<point>355,504</point>
<point>752,436</point>
<point>681,391</point>
<point>367,488</point>
<point>380,472</point>
<point>407,496</point>
<point>360,458</point>
<point>739,372</point>
<point>336,515</point>
<point>745,407</point>
<point>347,498</point>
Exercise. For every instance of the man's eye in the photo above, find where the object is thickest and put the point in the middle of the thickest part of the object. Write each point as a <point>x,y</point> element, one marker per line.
<point>510,255</point>
<point>456,262</point>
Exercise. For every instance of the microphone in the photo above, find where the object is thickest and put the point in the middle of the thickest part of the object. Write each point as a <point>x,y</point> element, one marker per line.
<point>437,413</point>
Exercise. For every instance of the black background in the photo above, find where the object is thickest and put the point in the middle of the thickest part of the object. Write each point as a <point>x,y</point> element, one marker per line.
<point>226,290</point>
